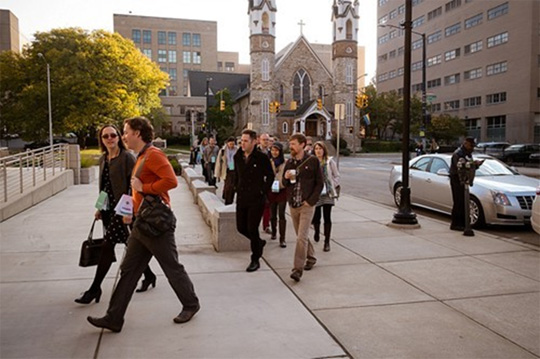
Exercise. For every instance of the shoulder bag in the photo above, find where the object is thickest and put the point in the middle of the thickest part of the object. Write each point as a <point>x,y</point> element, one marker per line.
<point>91,249</point>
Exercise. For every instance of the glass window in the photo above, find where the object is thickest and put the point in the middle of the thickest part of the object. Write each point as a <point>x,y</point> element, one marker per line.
<point>285,127</point>
<point>418,21</point>
<point>434,83</point>
<point>473,74</point>
<point>172,38</point>
<point>436,36</point>
<point>265,70</point>
<point>421,164</point>
<point>136,36</point>
<point>172,56</point>
<point>416,66</point>
<point>349,113</point>
<point>452,5</point>
<point>147,36</point>
<point>434,13</point>
<point>497,11</point>
<point>497,39</point>
<point>495,98</point>
<point>197,57</point>
<point>186,57</point>
<point>435,60</point>
<point>437,165</point>
<point>349,74</point>
<point>162,37</point>
<point>301,87</point>
<point>265,111</point>
<point>496,68</point>
<point>147,53</point>
<point>185,73</point>
<point>172,74</point>
<point>452,30</point>
<point>474,47</point>
<point>186,39</point>
<point>197,40</point>
<point>451,55</point>
<point>220,66</point>
<point>496,128</point>
<point>473,21</point>
<point>451,105</point>
<point>417,44</point>
<point>162,55</point>
<point>229,66</point>
<point>452,79</point>
<point>472,101</point>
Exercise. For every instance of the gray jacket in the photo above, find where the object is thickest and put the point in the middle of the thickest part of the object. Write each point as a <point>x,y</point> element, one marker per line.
<point>120,169</point>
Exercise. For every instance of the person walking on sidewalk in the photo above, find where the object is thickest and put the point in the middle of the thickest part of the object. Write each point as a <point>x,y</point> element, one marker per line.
<point>328,194</point>
<point>115,166</point>
<point>304,181</point>
<point>156,177</point>
<point>254,178</point>
<point>264,147</point>
<point>202,147</point>
<point>210,156</point>
<point>277,197</point>
<point>225,169</point>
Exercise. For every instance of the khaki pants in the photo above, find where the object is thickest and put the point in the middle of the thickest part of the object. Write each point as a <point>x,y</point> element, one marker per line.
<point>301,218</point>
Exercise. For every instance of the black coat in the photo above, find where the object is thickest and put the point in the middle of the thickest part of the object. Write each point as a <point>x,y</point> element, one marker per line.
<point>253,179</point>
<point>120,169</point>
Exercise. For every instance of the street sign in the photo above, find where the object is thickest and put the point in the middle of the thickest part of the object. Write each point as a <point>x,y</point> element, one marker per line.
<point>339,111</point>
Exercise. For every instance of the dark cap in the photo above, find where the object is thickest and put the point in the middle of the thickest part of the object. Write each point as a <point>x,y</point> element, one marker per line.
<point>231,139</point>
<point>278,145</point>
<point>471,140</point>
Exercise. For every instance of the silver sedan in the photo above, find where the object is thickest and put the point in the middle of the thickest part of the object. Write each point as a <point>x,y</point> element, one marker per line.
<point>499,194</point>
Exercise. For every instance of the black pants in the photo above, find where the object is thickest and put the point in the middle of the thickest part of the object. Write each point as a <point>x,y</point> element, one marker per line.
<point>327,213</point>
<point>277,209</point>
<point>140,250</point>
<point>228,188</point>
<point>248,219</point>
<point>458,196</point>
<point>210,175</point>
<point>107,258</point>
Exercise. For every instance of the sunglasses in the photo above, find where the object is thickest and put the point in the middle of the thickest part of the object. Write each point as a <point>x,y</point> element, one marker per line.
<point>106,136</point>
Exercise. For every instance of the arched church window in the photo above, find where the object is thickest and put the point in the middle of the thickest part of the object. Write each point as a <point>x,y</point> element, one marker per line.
<point>285,127</point>
<point>265,23</point>
<point>265,112</point>
<point>301,87</point>
<point>349,74</point>
<point>281,94</point>
<point>349,111</point>
<point>265,70</point>
<point>349,30</point>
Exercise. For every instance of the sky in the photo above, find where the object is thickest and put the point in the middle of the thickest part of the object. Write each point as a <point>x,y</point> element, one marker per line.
<point>231,17</point>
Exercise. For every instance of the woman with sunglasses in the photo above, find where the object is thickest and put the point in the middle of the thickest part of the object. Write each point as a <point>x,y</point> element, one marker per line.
<point>115,167</point>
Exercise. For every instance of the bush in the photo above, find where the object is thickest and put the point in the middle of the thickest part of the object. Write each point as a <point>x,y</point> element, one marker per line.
<point>381,146</point>
<point>182,140</point>
<point>88,160</point>
<point>342,143</point>
<point>345,152</point>
<point>173,160</point>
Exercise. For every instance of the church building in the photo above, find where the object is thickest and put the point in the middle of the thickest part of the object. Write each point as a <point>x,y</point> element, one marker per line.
<point>295,90</point>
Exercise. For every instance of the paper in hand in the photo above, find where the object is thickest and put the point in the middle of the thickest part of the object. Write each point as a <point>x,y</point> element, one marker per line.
<point>124,206</point>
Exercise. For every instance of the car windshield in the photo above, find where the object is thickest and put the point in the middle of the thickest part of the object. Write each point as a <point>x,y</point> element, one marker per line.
<point>492,167</point>
<point>514,148</point>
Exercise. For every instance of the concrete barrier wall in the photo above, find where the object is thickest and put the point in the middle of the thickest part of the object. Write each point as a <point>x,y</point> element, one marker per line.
<point>38,194</point>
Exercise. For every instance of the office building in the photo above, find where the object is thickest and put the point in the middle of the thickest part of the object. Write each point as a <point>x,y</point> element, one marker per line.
<point>9,31</point>
<point>483,62</point>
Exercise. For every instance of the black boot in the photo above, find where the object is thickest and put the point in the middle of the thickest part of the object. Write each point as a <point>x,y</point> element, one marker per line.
<point>317,228</point>
<point>282,230</point>
<point>327,231</point>
<point>273,225</point>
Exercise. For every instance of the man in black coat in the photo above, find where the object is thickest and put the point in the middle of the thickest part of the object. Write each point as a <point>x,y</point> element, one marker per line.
<point>254,176</point>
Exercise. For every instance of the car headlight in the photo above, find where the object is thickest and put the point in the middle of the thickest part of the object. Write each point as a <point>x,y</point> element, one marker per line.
<point>500,198</point>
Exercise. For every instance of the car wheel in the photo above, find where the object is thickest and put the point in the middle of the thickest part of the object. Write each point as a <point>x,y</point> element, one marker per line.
<point>397,194</point>
<point>476,213</point>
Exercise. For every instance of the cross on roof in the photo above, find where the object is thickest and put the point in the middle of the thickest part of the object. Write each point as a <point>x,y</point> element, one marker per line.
<point>301,23</point>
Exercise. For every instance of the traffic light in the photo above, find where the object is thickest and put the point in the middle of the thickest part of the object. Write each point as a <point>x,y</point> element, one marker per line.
<point>359,100</point>
<point>222,105</point>
<point>277,106</point>
<point>365,101</point>
<point>319,104</point>
<point>272,107</point>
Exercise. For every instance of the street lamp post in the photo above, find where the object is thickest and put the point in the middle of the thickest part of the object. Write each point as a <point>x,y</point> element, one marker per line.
<point>208,79</point>
<point>49,98</point>
<point>405,215</point>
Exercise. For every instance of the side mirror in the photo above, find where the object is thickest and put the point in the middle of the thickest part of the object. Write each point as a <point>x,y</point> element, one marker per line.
<point>443,172</point>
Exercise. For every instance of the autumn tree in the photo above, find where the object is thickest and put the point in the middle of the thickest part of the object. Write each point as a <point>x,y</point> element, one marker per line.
<point>222,121</point>
<point>446,128</point>
<point>96,78</point>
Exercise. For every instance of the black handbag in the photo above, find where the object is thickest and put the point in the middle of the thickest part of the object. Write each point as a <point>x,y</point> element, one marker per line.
<point>154,217</point>
<point>91,249</point>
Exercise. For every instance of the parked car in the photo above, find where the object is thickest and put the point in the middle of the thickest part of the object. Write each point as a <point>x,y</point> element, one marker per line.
<point>520,153</point>
<point>535,217</point>
<point>500,195</point>
<point>534,157</point>
<point>495,149</point>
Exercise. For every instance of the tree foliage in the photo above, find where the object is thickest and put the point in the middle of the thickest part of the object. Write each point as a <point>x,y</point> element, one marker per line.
<point>96,78</point>
<point>446,128</point>
<point>222,121</point>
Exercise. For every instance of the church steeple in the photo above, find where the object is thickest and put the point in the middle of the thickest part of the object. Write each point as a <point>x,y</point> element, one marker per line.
<point>262,17</point>
<point>345,20</point>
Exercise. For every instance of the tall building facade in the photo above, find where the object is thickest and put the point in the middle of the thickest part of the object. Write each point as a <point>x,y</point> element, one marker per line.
<point>483,62</point>
<point>179,46</point>
<point>9,31</point>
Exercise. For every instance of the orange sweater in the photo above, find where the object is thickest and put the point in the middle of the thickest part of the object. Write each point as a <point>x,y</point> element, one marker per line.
<point>157,176</point>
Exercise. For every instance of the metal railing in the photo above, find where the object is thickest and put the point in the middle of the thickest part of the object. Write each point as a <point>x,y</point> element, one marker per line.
<point>23,171</point>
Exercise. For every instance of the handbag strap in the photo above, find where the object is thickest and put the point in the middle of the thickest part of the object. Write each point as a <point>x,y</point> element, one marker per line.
<point>91,234</point>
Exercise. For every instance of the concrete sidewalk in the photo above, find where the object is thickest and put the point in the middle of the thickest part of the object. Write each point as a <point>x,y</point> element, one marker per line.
<point>380,293</point>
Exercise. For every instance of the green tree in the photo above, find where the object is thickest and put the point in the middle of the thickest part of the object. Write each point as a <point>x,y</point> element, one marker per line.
<point>96,78</point>
<point>222,121</point>
<point>447,129</point>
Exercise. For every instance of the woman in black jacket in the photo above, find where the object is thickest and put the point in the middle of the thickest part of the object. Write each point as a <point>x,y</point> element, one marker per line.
<point>115,167</point>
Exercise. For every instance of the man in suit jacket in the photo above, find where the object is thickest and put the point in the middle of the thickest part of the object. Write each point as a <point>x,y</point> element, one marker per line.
<point>254,176</point>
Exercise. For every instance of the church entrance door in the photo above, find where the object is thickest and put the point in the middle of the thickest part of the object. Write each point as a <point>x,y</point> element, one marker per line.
<point>311,128</point>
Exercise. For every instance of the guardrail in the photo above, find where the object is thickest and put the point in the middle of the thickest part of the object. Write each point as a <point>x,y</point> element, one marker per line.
<point>25,170</point>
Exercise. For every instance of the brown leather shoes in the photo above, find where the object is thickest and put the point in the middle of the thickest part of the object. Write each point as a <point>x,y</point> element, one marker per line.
<point>186,315</point>
<point>309,265</point>
<point>105,323</point>
<point>296,275</point>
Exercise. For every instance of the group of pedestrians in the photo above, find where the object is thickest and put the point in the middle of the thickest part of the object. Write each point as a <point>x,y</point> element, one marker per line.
<point>256,172</point>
